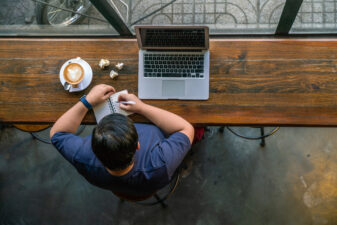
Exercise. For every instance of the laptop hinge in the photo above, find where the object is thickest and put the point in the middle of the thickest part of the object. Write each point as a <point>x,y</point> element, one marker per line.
<point>174,50</point>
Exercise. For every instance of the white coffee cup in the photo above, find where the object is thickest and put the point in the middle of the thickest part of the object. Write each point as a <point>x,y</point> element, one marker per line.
<point>74,72</point>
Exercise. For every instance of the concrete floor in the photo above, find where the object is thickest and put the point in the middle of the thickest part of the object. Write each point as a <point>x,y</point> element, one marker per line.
<point>293,180</point>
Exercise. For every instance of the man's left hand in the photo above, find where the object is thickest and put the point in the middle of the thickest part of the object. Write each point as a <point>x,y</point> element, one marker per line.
<point>99,93</point>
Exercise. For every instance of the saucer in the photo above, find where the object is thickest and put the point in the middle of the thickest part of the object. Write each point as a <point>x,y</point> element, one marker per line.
<point>87,74</point>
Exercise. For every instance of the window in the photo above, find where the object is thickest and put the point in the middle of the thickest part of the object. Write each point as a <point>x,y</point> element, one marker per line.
<point>39,17</point>
<point>118,17</point>
<point>316,16</point>
<point>223,17</point>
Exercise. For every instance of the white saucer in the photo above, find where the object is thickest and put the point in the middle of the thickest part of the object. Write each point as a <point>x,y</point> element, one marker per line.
<point>87,74</point>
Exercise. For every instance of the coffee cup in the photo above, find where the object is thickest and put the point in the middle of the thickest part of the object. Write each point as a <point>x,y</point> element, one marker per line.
<point>73,74</point>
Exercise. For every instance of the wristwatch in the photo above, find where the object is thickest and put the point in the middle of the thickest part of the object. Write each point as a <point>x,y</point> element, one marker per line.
<point>85,102</point>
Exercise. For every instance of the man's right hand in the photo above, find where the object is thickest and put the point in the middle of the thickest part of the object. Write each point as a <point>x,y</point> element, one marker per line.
<point>136,108</point>
<point>165,120</point>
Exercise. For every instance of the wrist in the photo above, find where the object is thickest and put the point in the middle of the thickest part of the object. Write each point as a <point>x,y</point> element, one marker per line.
<point>85,102</point>
<point>143,109</point>
<point>88,97</point>
<point>83,107</point>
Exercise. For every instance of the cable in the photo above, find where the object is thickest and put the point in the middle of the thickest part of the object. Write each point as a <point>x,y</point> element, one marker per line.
<point>69,10</point>
<point>43,135</point>
<point>157,10</point>
<point>253,138</point>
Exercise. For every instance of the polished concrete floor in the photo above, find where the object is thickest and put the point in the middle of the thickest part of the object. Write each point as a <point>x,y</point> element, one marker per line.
<point>293,180</point>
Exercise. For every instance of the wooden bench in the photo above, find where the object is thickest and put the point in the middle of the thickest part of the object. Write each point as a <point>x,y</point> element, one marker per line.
<point>287,82</point>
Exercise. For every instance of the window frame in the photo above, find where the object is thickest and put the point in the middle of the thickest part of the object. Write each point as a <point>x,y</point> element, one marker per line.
<point>287,18</point>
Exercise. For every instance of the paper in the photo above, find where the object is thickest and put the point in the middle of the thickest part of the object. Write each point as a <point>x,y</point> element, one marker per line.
<point>109,107</point>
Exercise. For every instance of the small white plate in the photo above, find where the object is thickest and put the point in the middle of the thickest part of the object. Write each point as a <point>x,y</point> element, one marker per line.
<point>87,74</point>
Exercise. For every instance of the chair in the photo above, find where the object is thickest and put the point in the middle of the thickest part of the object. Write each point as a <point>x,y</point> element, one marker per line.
<point>156,195</point>
<point>33,129</point>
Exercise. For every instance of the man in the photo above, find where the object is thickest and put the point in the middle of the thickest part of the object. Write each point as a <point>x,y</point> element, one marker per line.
<point>133,160</point>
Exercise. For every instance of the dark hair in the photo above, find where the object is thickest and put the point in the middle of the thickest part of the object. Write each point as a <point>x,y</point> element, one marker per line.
<point>114,141</point>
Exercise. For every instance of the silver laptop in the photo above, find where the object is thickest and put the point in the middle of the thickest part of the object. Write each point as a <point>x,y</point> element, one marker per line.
<point>173,62</point>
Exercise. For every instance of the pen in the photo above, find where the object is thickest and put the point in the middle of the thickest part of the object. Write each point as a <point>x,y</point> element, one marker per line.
<point>127,102</point>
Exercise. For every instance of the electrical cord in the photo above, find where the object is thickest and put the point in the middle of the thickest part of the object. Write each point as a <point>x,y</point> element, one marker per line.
<point>43,135</point>
<point>253,138</point>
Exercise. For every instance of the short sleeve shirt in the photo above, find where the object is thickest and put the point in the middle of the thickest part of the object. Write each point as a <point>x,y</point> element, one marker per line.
<point>155,161</point>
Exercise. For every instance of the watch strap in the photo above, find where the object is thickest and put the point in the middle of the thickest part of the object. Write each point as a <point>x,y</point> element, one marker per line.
<point>85,102</point>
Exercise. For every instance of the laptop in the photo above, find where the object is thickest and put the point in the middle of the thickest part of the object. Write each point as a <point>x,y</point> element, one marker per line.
<point>173,62</point>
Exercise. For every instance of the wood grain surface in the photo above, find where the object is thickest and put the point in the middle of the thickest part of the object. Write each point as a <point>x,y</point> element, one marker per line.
<point>287,82</point>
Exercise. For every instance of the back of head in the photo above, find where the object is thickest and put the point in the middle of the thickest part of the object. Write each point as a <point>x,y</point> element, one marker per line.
<point>114,141</point>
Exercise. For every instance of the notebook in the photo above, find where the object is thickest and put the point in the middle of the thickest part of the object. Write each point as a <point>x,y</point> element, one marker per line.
<point>109,107</point>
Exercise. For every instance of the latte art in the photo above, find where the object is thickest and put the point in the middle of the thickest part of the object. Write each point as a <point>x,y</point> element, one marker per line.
<point>73,73</point>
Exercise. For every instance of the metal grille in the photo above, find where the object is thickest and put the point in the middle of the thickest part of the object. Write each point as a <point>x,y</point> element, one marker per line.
<point>227,14</point>
<point>316,16</point>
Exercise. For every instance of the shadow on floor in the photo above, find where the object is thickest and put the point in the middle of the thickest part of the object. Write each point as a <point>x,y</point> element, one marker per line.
<point>293,180</point>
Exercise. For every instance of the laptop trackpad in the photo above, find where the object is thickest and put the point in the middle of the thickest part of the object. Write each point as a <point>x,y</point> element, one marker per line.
<point>173,88</point>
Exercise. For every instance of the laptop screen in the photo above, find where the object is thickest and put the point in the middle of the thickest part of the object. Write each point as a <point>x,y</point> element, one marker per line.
<point>173,37</point>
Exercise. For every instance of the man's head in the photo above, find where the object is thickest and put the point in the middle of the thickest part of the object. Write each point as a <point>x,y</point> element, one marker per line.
<point>114,141</point>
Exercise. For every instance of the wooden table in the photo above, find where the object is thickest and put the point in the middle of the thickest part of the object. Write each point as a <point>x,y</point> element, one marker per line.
<point>287,82</point>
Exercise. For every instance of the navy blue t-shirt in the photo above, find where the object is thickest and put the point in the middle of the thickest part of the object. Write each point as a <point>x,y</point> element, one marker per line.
<point>155,161</point>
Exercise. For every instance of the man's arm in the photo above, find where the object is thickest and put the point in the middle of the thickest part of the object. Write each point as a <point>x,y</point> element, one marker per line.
<point>165,120</point>
<point>70,120</point>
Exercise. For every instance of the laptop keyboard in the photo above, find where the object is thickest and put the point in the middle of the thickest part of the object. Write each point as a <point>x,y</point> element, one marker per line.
<point>174,65</point>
